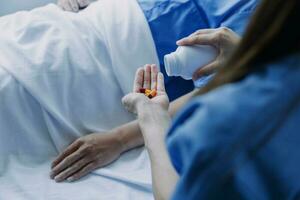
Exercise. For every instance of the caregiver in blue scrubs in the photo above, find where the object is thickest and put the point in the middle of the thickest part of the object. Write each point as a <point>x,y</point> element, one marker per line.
<point>169,21</point>
<point>238,138</point>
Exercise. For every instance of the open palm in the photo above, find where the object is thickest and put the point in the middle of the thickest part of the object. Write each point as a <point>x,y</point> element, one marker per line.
<point>147,77</point>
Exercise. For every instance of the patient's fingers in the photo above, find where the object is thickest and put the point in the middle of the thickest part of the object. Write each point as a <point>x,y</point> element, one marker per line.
<point>147,77</point>
<point>67,162</point>
<point>71,170</point>
<point>139,80</point>
<point>83,3</point>
<point>160,82</point>
<point>67,6</point>
<point>70,149</point>
<point>74,5</point>
<point>83,172</point>
<point>154,72</point>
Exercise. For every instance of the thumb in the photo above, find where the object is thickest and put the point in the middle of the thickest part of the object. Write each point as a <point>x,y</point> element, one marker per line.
<point>130,102</point>
<point>126,101</point>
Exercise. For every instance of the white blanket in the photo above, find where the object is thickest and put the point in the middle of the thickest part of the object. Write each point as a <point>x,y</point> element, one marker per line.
<point>62,76</point>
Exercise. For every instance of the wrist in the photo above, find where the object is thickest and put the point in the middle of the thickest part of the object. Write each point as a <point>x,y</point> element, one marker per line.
<point>140,107</point>
<point>149,109</point>
<point>154,123</point>
<point>128,136</point>
<point>118,136</point>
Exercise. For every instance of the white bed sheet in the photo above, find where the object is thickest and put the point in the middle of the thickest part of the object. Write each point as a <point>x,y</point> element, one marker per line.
<point>62,76</point>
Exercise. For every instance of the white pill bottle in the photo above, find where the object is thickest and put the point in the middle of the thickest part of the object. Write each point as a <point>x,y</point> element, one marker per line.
<point>188,59</point>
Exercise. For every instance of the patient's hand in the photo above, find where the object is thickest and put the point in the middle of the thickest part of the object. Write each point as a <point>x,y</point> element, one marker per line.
<point>223,39</point>
<point>85,155</point>
<point>147,77</point>
<point>73,5</point>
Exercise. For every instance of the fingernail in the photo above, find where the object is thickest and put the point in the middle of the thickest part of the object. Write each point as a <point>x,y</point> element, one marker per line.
<point>57,178</point>
<point>70,179</point>
<point>52,174</point>
<point>179,42</point>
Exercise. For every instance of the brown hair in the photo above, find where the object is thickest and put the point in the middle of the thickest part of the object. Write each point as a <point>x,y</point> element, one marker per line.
<point>273,33</point>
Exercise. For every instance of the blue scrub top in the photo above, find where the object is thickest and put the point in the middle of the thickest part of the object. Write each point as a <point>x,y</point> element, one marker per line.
<point>241,141</point>
<point>171,20</point>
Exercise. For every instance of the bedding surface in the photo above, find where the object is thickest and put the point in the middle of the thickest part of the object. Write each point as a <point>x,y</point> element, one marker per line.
<point>62,76</point>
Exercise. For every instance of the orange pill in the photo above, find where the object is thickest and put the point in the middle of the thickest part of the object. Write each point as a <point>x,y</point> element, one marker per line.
<point>153,93</point>
<point>148,93</point>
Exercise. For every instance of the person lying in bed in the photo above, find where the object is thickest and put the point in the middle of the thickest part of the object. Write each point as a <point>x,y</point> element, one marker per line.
<point>238,138</point>
<point>162,16</point>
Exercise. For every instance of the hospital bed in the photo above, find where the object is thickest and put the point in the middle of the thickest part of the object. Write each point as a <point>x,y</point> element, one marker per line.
<point>62,76</point>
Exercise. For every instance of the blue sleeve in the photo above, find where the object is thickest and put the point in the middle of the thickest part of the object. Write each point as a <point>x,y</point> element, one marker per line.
<point>200,128</point>
<point>198,145</point>
<point>213,141</point>
<point>195,142</point>
<point>201,138</point>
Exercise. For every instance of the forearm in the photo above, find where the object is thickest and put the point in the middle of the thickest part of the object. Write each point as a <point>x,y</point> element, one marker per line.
<point>154,123</point>
<point>130,135</point>
<point>162,167</point>
<point>180,102</point>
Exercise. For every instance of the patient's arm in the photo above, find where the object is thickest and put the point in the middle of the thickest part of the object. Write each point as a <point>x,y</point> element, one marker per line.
<point>98,150</point>
<point>130,133</point>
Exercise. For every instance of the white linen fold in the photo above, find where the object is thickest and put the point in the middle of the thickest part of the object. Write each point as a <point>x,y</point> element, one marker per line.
<point>62,76</point>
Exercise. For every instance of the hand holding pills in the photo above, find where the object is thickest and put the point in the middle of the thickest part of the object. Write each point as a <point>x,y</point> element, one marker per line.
<point>148,89</point>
